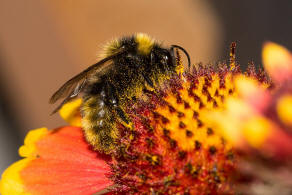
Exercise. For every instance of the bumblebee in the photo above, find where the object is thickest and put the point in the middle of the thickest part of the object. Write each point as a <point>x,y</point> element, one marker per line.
<point>130,65</point>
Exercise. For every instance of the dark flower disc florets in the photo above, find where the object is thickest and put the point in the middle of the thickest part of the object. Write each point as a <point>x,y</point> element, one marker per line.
<point>170,150</point>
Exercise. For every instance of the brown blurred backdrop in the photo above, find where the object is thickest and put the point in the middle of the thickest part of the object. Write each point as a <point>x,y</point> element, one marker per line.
<point>44,43</point>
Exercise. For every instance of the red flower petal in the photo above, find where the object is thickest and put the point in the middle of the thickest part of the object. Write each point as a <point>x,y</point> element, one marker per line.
<point>62,163</point>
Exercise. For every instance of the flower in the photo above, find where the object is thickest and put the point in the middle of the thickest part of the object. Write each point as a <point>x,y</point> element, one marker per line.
<point>258,123</point>
<point>260,118</point>
<point>171,150</point>
<point>57,161</point>
<point>186,138</point>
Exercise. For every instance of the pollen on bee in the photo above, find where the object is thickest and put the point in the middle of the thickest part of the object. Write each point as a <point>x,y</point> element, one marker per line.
<point>145,43</point>
<point>98,131</point>
<point>110,48</point>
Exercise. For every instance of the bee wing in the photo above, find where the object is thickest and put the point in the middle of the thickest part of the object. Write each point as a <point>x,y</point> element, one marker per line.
<point>72,94</point>
<point>75,85</point>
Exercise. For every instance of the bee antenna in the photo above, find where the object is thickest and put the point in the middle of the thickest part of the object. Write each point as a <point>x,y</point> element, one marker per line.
<point>184,51</point>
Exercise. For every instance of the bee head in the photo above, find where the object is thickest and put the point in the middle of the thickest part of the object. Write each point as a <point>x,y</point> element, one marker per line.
<point>167,58</point>
<point>142,49</point>
<point>174,56</point>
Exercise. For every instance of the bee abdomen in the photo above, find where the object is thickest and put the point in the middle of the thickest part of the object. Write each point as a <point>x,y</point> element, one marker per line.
<point>97,123</point>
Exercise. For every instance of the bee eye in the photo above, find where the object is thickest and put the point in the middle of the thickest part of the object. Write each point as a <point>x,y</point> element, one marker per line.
<point>130,55</point>
<point>166,59</point>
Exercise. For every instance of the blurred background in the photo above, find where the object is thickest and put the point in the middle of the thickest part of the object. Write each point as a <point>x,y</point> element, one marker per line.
<point>44,43</point>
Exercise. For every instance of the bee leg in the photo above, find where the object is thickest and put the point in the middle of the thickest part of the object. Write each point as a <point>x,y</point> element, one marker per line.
<point>122,115</point>
<point>114,104</point>
<point>147,91</point>
<point>148,80</point>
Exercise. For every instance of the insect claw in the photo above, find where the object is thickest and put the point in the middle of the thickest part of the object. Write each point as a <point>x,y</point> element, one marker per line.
<point>122,115</point>
<point>148,81</point>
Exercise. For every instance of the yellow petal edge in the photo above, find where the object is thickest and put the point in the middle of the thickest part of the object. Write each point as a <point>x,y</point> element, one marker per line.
<point>284,109</point>
<point>276,59</point>
<point>11,183</point>
<point>256,130</point>
<point>29,149</point>
<point>70,112</point>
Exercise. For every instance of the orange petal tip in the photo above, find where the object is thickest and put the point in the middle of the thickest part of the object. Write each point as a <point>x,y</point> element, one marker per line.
<point>277,61</point>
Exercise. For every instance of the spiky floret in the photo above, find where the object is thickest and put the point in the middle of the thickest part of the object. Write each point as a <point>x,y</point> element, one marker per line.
<point>171,149</point>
